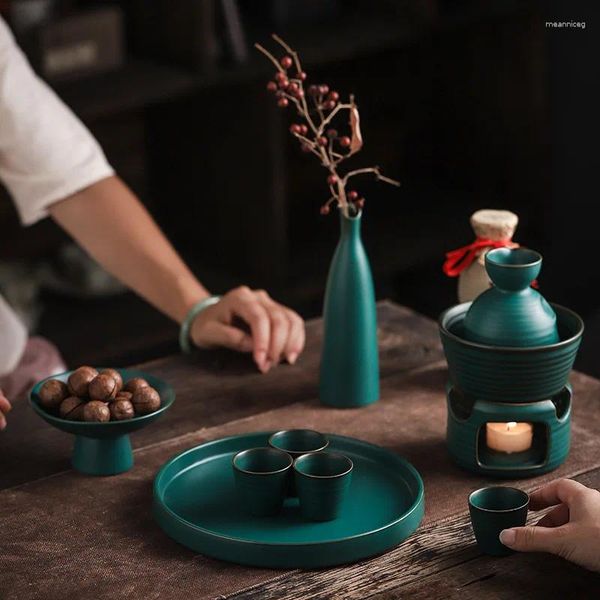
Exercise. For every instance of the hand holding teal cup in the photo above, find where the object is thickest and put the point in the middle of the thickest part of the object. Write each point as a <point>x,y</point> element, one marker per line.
<point>322,481</point>
<point>261,477</point>
<point>493,509</point>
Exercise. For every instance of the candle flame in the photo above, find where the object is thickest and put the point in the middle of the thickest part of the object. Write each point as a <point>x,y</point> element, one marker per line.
<point>511,425</point>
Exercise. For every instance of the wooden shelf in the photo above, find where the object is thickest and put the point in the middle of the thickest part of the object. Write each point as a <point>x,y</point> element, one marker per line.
<point>135,85</point>
<point>143,82</point>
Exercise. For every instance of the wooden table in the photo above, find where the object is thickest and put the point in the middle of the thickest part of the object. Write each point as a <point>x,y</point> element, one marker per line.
<point>222,390</point>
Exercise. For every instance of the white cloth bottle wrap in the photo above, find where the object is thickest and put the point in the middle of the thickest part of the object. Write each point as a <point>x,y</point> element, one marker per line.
<point>488,224</point>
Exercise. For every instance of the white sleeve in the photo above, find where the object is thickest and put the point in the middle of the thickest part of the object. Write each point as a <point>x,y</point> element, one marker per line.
<point>46,153</point>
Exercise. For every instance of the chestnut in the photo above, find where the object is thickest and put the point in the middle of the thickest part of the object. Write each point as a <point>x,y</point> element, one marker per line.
<point>72,408</point>
<point>94,410</point>
<point>79,380</point>
<point>102,387</point>
<point>123,395</point>
<point>121,410</point>
<point>135,384</point>
<point>52,393</point>
<point>115,375</point>
<point>146,400</point>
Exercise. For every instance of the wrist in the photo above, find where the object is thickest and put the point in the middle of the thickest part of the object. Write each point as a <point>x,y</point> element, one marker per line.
<point>198,307</point>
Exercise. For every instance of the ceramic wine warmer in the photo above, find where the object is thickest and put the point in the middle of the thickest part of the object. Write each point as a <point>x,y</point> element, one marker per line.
<point>509,401</point>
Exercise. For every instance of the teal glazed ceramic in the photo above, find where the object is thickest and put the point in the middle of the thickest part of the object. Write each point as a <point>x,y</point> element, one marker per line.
<point>195,503</point>
<point>297,442</point>
<point>349,374</point>
<point>511,313</point>
<point>104,448</point>
<point>465,435</point>
<point>506,374</point>
<point>493,509</point>
<point>261,478</point>
<point>322,481</point>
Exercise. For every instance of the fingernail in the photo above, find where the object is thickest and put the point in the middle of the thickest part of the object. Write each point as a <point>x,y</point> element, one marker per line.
<point>508,536</point>
<point>267,364</point>
<point>292,357</point>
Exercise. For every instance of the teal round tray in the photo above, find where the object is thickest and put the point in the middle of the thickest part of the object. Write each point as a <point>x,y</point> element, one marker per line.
<point>104,448</point>
<point>195,503</point>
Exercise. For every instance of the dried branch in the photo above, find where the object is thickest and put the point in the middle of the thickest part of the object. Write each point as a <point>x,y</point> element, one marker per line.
<point>269,56</point>
<point>378,175</point>
<point>326,108</point>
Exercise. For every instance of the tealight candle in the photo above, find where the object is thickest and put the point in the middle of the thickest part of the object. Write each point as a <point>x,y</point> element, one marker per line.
<point>509,437</point>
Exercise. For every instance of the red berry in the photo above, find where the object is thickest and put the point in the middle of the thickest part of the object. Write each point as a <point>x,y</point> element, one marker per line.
<point>305,148</point>
<point>282,102</point>
<point>331,133</point>
<point>283,83</point>
<point>286,62</point>
<point>333,96</point>
<point>352,195</point>
<point>280,75</point>
<point>303,129</point>
<point>360,203</point>
<point>329,105</point>
<point>313,90</point>
<point>295,128</point>
<point>324,210</point>
<point>271,86</point>
<point>322,141</point>
<point>292,87</point>
<point>299,94</point>
<point>301,76</point>
<point>332,180</point>
<point>345,141</point>
<point>323,89</point>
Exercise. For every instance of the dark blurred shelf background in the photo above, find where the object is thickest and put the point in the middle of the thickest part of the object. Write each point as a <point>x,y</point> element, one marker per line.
<point>455,101</point>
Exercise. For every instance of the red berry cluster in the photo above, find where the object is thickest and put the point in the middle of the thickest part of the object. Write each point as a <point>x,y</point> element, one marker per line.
<point>317,109</point>
<point>283,84</point>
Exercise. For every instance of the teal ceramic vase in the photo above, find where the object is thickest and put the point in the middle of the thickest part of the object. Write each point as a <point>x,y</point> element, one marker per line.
<point>350,362</point>
<point>511,313</point>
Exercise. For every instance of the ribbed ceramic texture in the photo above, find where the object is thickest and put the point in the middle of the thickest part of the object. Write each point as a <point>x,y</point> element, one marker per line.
<point>511,313</point>
<point>350,361</point>
<point>463,433</point>
<point>195,503</point>
<point>503,374</point>
<point>104,448</point>
<point>487,524</point>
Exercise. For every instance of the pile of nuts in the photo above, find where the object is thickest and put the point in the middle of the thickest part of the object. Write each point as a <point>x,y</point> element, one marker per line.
<point>95,396</point>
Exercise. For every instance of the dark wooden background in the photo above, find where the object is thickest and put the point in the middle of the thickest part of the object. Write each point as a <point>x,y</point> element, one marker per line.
<point>469,104</point>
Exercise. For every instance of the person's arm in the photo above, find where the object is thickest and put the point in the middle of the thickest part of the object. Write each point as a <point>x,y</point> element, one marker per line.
<point>111,224</point>
<point>571,529</point>
<point>5,408</point>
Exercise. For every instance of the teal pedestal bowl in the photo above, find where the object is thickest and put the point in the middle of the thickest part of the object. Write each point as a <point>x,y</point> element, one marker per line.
<point>509,374</point>
<point>511,313</point>
<point>104,448</point>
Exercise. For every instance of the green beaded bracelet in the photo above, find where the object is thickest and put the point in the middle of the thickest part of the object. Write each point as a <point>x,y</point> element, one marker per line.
<point>186,326</point>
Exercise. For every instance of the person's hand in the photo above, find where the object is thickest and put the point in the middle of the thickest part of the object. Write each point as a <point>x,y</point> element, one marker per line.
<point>570,530</point>
<point>5,408</point>
<point>276,332</point>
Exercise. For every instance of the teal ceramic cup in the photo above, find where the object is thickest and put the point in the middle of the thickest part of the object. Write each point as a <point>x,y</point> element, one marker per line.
<point>297,442</point>
<point>493,509</point>
<point>322,481</point>
<point>261,477</point>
